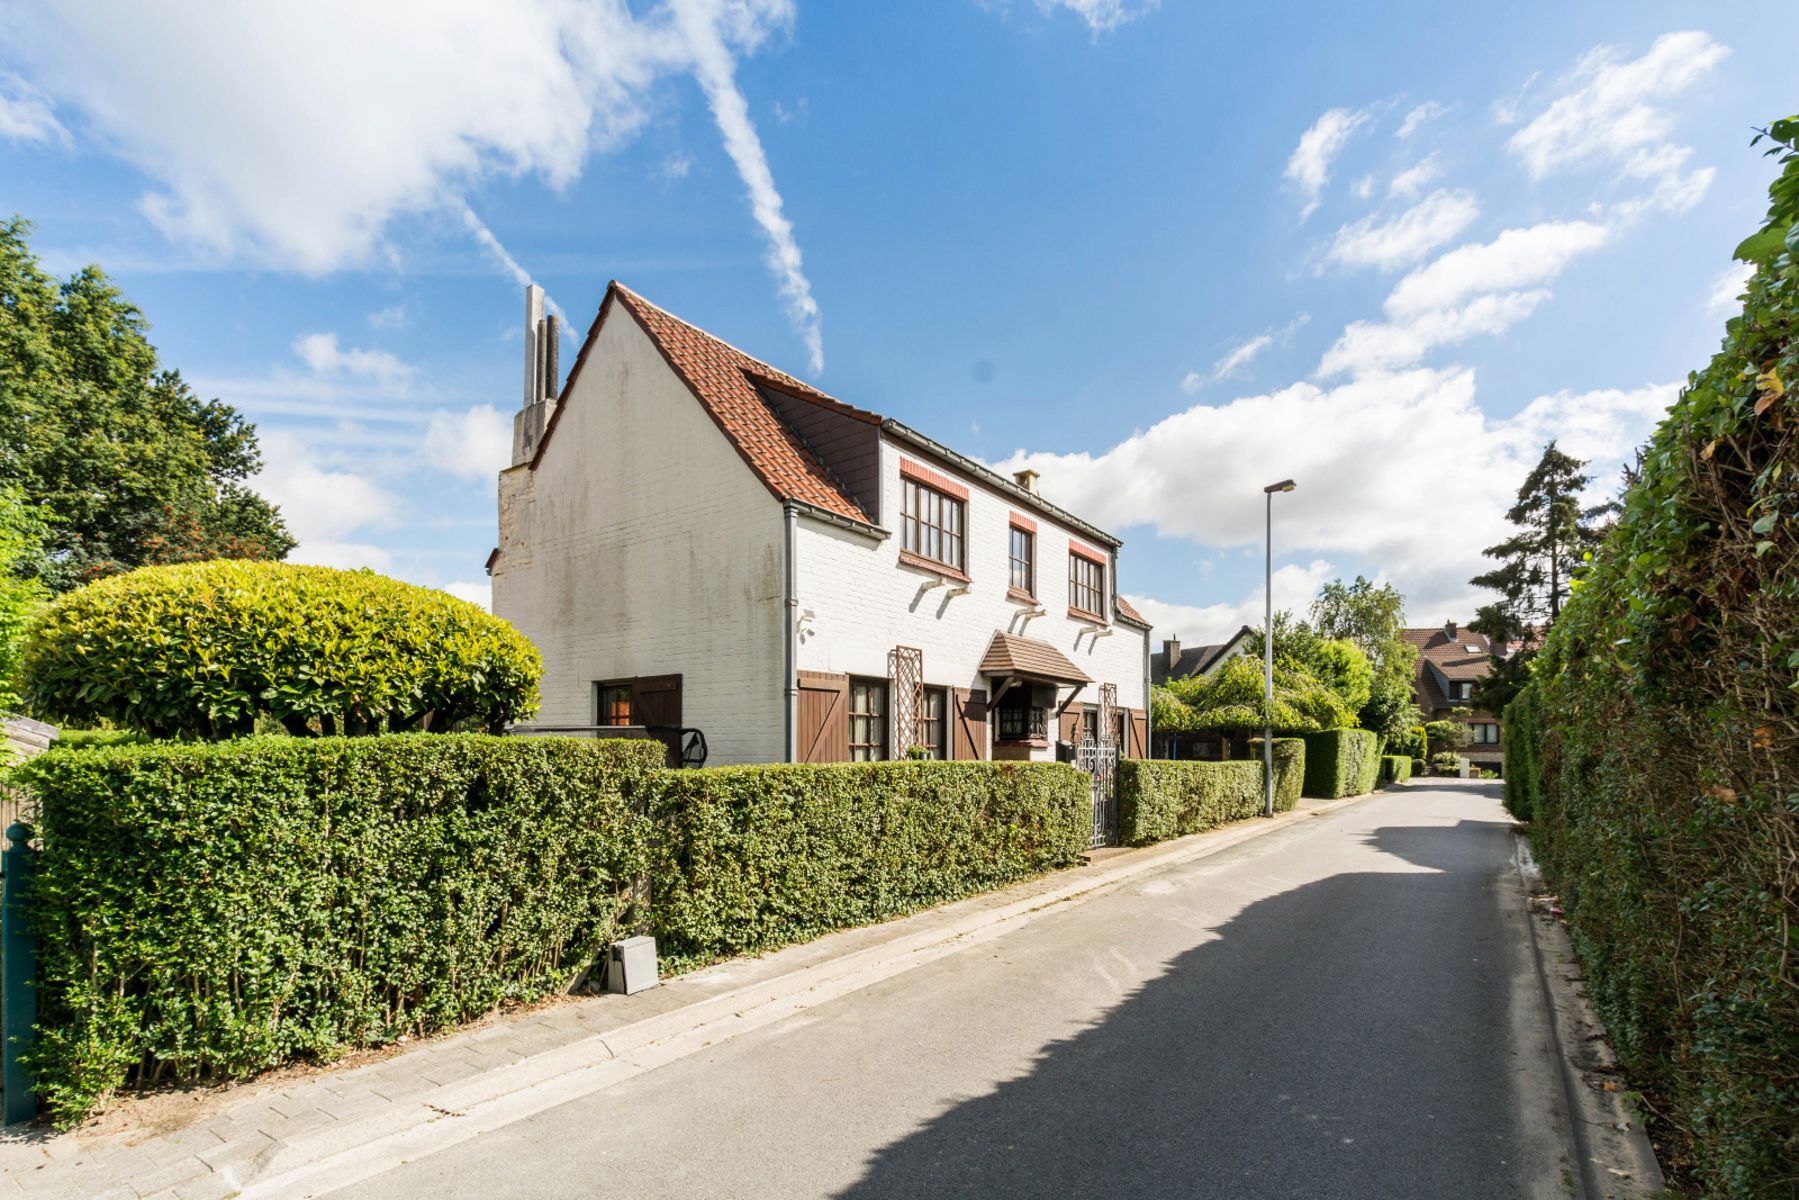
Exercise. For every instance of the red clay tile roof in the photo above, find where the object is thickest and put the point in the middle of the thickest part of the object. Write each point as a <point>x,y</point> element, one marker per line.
<point>723,379</point>
<point>1008,654</point>
<point>1130,614</point>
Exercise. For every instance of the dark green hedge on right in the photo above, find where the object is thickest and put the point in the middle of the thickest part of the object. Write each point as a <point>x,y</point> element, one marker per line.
<point>750,858</point>
<point>209,911</point>
<point>1341,762</point>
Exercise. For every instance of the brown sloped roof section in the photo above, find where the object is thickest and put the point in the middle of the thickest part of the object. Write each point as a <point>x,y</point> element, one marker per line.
<point>1129,613</point>
<point>1011,655</point>
<point>720,377</point>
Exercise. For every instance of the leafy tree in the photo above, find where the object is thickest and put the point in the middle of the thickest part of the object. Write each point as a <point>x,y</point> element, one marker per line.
<point>129,466</point>
<point>1374,619</point>
<point>1538,565</point>
<point>1337,663</point>
<point>1230,700</point>
<point>21,533</point>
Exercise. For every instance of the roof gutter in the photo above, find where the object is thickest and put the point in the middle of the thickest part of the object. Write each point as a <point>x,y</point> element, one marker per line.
<point>806,508</point>
<point>993,479</point>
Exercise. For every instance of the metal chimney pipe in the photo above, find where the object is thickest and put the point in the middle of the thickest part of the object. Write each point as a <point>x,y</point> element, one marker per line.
<point>533,330</point>
<point>552,343</point>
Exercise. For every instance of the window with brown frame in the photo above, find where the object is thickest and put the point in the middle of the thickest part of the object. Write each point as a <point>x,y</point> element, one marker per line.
<point>868,720</point>
<point>615,704</point>
<point>1086,585</point>
<point>1023,555</point>
<point>933,723</point>
<point>1019,719</point>
<point>931,524</point>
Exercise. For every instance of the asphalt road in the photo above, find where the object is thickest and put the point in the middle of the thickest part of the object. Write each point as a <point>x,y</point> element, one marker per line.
<point>1346,1008</point>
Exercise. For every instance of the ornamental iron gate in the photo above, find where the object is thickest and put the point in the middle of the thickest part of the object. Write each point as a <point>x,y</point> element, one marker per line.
<point>1097,754</point>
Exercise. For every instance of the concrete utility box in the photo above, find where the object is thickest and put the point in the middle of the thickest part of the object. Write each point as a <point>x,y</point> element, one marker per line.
<point>631,965</point>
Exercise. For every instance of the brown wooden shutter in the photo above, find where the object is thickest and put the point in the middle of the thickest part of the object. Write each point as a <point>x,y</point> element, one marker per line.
<point>970,735</point>
<point>824,717</point>
<point>656,700</point>
<point>1070,726</point>
<point>1139,727</point>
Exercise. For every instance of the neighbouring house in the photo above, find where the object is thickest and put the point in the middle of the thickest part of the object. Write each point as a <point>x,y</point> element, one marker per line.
<point>1175,661</point>
<point>1451,659</point>
<point>694,538</point>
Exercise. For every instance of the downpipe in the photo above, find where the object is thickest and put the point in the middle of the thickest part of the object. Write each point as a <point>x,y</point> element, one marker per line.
<point>790,615</point>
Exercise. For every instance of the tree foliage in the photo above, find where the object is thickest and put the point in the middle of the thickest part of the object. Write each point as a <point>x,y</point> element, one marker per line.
<point>205,649</point>
<point>21,534</point>
<point>1373,617</point>
<point>1230,700</point>
<point>1336,662</point>
<point>1537,569</point>
<point>1663,727</point>
<point>128,464</point>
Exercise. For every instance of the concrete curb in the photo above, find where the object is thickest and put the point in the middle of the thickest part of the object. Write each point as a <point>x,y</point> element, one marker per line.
<point>359,1150</point>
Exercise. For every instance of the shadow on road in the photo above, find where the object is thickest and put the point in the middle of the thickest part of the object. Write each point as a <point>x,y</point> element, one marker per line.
<point>1348,1038</point>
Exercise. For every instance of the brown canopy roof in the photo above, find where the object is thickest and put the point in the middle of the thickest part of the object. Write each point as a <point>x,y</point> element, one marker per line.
<point>1030,658</point>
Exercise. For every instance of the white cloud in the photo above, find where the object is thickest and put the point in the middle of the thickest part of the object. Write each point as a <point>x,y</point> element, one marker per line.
<point>323,505</point>
<point>675,166</point>
<point>1615,111</point>
<point>474,591</point>
<point>1242,354</point>
<point>1363,188</point>
<point>1723,298</point>
<point>703,25</point>
<point>1356,495</point>
<point>1310,164</point>
<point>1415,120</point>
<point>394,316</point>
<point>296,136</point>
<point>1101,16</point>
<point>1411,181</point>
<point>1295,586</point>
<point>1390,244</point>
<point>323,356</point>
<point>26,114</point>
<point>1517,258</point>
<point>476,444</point>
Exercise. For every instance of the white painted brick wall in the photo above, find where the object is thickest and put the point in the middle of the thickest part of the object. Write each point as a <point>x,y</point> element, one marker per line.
<point>857,601</point>
<point>643,545</point>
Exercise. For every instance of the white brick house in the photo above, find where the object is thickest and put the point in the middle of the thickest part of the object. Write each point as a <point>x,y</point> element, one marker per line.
<point>692,537</point>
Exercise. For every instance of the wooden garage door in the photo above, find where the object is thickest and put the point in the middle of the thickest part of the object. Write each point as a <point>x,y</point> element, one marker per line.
<point>968,739</point>
<point>824,720</point>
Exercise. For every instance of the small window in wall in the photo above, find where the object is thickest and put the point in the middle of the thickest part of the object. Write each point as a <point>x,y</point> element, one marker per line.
<point>615,704</point>
<point>931,524</point>
<point>1086,585</point>
<point>1484,733</point>
<point>1019,719</point>
<point>933,723</point>
<point>868,720</point>
<point>1461,691</point>
<point>1023,555</point>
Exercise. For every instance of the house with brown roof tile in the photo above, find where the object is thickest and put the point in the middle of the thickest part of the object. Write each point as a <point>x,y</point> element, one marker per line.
<point>695,538</point>
<point>1451,659</point>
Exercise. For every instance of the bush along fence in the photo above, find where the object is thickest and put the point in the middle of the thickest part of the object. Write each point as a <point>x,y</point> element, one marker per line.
<point>1655,750</point>
<point>209,911</point>
<point>1159,799</point>
<point>1341,762</point>
<point>1395,768</point>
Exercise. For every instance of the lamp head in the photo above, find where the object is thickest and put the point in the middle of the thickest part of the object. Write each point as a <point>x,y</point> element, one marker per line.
<point>1285,485</point>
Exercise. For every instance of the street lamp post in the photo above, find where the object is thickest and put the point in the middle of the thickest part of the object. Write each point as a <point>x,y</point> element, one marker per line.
<point>1285,485</point>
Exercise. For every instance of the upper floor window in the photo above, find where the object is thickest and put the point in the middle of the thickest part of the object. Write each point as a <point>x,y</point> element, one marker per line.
<point>1086,585</point>
<point>1023,555</point>
<point>931,524</point>
<point>1461,690</point>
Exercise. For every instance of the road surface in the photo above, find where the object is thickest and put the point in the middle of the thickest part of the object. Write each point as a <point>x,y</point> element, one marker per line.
<point>1344,1008</point>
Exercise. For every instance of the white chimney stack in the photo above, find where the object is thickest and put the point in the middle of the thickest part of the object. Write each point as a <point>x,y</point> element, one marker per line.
<point>533,417</point>
<point>533,351</point>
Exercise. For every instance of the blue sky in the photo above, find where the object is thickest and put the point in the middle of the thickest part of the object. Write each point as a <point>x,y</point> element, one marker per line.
<point>1162,253</point>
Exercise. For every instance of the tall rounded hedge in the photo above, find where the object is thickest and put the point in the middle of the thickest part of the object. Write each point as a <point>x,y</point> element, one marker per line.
<point>204,649</point>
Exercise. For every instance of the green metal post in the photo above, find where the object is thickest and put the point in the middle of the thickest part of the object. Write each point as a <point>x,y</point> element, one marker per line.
<point>18,976</point>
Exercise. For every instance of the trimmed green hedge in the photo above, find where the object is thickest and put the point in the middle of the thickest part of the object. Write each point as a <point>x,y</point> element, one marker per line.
<point>1341,762</point>
<point>210,911</point>
<point>1158,799</point>
<point>1522,782</point>
<point>1395,768</point>
<point>751,858</point>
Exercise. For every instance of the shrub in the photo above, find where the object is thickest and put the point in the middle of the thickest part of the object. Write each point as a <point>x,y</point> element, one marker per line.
<point>1521,734</point>
<point>1445,763</point>
<point>750,858</point>
<point>1341,762</point>
<point>1158,800</point>
<point>1418,766</point>
<point>1395,768</point>
<point>203,649</point>
<point>213,910</point>
<point>97,739</point>
<point>1230,700</point>
<point>1441,737</point>
<point>1662,729</point>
